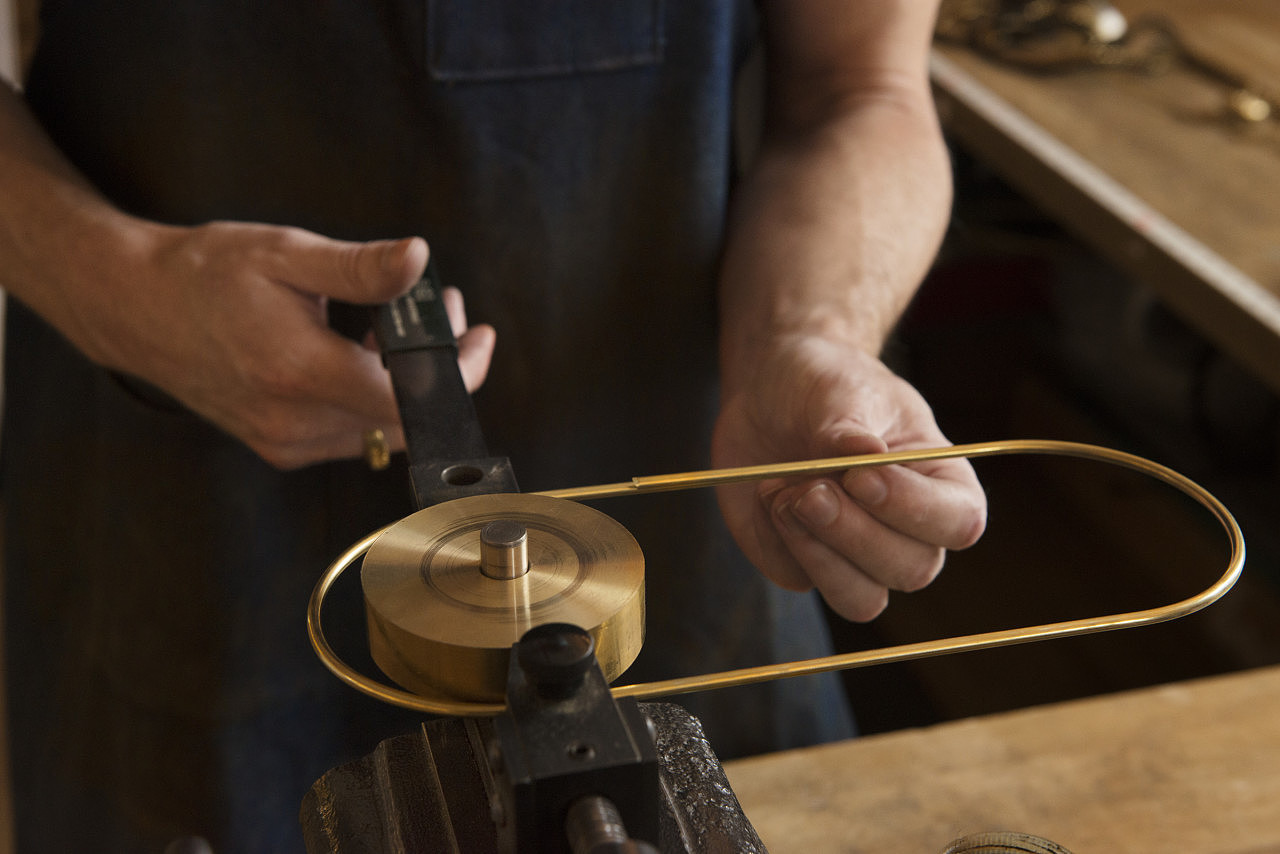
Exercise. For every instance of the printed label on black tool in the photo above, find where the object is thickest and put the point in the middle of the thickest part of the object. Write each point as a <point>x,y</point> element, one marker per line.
<point>415,321</point>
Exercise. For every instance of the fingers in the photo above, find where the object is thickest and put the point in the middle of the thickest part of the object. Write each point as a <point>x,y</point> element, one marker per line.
<point>342,438</point>
<point>244,341</point>
<point>475,343</point>
<point>361,273</point>
<point>320,403</point>
<point>857,537</point>
<point>366,399</point>
<point>355,389</point>
<point>298,392</point>
<point>941,504</point>
<point>778,564</point>
<point>850,591</point>
<point>456,309</point>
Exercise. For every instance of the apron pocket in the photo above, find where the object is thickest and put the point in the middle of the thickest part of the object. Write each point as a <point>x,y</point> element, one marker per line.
<point>474,40</point>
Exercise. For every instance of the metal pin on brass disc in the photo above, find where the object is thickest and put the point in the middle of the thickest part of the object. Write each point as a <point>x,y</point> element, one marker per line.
<point>447,593</point>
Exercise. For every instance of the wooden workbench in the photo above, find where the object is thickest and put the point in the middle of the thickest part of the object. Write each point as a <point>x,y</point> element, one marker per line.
<point>1192,768</point>
<point>1149,170</point>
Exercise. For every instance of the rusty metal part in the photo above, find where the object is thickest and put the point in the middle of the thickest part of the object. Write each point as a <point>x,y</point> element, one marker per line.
<point>433,790</point>
<point>763,673</point>
<point>444,608</point>
<point>594,826</point>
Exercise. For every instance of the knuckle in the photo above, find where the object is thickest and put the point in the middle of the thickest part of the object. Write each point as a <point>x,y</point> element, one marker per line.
<point>278,248</point>
<point>782,568</point>
<point>270,243</point>
<point>862,608</point>
<point>281,451</point>
<point>921,574</point>
<point>272,434</point>
<point>273,431</point>
<point>789,577</point>
<point>282,238</point>
<point>970,533</point>
<point>280,457</point>
<point>277,379</point>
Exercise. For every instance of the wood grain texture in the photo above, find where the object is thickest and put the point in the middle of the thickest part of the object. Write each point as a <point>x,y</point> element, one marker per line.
<point>1169,141</point>
<point>1191,767</point>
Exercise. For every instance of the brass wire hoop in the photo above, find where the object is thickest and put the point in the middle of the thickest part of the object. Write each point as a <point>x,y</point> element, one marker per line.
<point>440,705</point>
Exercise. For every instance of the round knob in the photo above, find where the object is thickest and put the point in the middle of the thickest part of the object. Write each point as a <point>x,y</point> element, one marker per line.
<point>555,657</point>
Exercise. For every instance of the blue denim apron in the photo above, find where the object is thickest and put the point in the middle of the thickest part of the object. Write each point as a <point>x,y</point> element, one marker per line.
<point>569,162</point>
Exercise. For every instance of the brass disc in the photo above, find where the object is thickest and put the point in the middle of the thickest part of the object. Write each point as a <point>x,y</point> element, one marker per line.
<point>438,625</point>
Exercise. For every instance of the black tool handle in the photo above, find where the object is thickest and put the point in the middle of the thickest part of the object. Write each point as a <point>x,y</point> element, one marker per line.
<point>448,457</point>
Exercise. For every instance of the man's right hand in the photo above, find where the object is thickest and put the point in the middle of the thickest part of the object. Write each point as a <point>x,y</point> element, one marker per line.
<point>230,319</point>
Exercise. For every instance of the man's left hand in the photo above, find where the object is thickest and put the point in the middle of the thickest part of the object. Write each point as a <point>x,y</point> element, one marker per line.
<point>857,535</point>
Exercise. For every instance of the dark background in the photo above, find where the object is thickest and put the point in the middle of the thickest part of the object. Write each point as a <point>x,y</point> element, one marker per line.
<point>1020,332</point>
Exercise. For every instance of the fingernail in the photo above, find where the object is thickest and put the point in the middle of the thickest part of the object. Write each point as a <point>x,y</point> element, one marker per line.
<point>818,507</point>
<point>866,487</point>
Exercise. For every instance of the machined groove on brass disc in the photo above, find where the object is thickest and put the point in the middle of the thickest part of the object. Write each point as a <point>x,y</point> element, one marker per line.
<point>440,622</point>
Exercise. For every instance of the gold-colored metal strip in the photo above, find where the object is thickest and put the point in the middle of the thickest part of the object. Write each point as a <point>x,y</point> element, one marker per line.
<point>719,477</point>
<point>649,690</point>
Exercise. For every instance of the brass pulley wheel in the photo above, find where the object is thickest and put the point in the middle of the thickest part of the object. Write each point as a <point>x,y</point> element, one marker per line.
<point>450,588</point>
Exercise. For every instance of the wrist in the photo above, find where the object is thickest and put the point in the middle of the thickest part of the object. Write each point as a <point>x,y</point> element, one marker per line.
<point>750,363</point>
<point>90,268</point>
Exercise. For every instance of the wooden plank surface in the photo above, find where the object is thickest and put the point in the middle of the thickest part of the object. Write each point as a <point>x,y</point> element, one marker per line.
<point>1239,35</point>
<point>1150,169</point>
<point>1191,767</point>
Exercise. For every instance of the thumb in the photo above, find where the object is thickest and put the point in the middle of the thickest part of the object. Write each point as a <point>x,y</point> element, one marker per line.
<point>362,273</point>
<point>848,441</point>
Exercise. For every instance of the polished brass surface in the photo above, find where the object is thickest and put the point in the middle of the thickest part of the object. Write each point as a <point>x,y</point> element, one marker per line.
<point>377,453</point>
<point>641,485</point>
<point>504,549</point>
<point>439,623</point>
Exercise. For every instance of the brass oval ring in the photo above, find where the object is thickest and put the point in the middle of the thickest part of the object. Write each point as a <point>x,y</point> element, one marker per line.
<point>764,673</point>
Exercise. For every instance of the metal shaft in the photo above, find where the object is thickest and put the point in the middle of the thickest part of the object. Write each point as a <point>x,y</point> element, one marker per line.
<point>504,549</point>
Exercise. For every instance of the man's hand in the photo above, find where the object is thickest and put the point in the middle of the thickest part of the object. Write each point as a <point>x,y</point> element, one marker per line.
<point>857,536</point>
<point>832,230</point>
<point>230,319</point>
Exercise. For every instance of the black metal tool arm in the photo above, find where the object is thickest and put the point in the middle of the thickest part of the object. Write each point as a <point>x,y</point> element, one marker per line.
<point>566,767</point>
<point>563,740</point>
<point>448,457</point>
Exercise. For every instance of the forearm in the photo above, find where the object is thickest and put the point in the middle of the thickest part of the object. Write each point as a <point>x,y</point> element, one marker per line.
<point>227,317</point>
<point>61,241</point>
<point>832,234</point>
<point>839,219</point>
<point>835,226</point>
